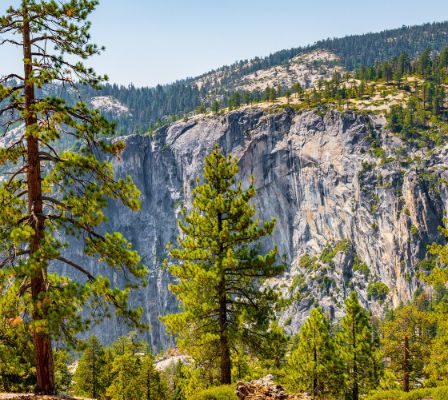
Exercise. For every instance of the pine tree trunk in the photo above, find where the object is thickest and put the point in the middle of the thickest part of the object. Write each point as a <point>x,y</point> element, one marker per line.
<point>355,393</point>
<point>94,378</point>
<point>42,341</point>
<point>226,378</point>
<point>148,385</point>
<point>406,367</point>
<point>226,366</point>
<point>314,373</point>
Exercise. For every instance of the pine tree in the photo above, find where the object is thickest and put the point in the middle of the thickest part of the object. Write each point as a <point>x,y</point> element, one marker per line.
<point>17,372</point>
<point>90,370</point>
<point>273,351</point>
<point>149,379</point>
<point>219,267</point>
<point>125,368</point>
<point>314,366</point>
<point>297,89</point>
<point>406,339</point>
<point>201,109</point>
<point>357,346</point>
<point>63,376</point>
<point>133,373</point>
<point>51,194</point>
<point>437,366</point>
<point>215,107</point>
<point>439,275</point>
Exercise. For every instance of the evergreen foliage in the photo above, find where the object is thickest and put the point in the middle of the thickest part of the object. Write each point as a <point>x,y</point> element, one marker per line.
<point>406,342</point>
<point>219,268</point>
<point>89,376</point>
<point>51,195</point>
<point>125,370</point>
<point>358,347</point>
<point>385,49</point>
<point>314,366</point>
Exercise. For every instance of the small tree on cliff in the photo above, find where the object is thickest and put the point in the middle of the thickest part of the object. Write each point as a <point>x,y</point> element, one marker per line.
<point>49,194</point>
<point>219,267</point>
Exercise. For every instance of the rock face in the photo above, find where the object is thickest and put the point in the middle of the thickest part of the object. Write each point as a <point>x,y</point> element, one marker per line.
<point>356,218</point>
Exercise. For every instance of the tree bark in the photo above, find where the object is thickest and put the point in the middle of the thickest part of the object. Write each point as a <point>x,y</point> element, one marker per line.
<point>314,373</point>
<point>406,366</point>
<point>226,378</point>
<point>355,393</point>
<point>42,340</point>
<point>148,384</point>
<point>226,365</point>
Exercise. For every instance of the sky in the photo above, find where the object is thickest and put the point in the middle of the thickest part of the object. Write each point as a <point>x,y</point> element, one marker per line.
<point>150,42</point>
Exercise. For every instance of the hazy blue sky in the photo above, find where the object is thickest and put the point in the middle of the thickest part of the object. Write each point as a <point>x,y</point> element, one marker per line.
<point>158,41</point>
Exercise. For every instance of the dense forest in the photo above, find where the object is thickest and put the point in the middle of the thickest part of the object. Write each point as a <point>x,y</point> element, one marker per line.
<point>155,106</point>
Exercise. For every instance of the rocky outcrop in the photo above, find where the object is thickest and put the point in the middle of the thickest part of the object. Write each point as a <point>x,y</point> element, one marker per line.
<point>265,388</point>
<point>358,213</point>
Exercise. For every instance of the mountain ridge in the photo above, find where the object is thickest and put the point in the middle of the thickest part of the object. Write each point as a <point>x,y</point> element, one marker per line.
<point>155,105</point>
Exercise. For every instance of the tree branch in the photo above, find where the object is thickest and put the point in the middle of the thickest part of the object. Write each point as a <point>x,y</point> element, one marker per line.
<point>77,267</point>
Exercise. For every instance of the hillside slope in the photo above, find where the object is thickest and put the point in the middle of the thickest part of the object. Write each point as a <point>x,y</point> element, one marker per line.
<point>280,69</point>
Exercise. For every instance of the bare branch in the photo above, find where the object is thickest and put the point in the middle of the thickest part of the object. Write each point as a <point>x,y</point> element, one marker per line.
<point>12,257</point>
<point>11,76</point>
<point>44,156</point>
<point>10,41</point>
<point>77,267</point>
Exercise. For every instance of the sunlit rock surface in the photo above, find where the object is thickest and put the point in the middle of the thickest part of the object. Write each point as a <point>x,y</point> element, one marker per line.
<point>316,174</point>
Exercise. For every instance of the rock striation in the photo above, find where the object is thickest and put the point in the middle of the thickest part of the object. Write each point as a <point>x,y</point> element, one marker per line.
<point>354,205</point>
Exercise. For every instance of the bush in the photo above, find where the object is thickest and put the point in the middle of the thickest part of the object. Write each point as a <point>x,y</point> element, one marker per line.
<point>440,393</point>
<point>377,291</point>
<point>225,392</point>
<point>418,394</point>
<point>386,395</point>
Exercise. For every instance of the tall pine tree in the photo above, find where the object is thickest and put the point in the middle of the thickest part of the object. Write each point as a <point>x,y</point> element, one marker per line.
<point>50,194</point>
<point>314,366</point>
<point>357,346</point>
<point>219,268</point>
<point>88,378</point>
<point>407,334</point>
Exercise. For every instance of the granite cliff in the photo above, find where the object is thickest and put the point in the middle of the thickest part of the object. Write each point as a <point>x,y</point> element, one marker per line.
<point>348,215</point>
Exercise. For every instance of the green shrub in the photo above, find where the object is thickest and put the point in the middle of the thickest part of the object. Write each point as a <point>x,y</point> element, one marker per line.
<point>418,394</point>
<point>329,252</point>
<point>225,392</point>
<point>363,268</point>
<point>298,284</point>
<point>440,393</point>
<point>414,230</point>
<point>377,291</point>
<point>308,262</point>
<point>386,395</point>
